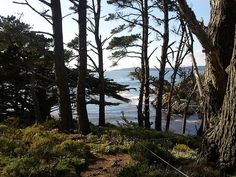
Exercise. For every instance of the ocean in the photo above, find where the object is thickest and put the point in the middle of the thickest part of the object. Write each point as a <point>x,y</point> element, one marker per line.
<point>113,113</point>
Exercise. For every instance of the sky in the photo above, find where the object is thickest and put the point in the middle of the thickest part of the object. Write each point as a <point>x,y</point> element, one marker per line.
<point>70,28</point>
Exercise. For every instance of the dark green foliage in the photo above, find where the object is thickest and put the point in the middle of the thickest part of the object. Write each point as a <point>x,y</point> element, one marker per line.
<point>123,41</point>
<point>112,88</point>
<point>23,53</point>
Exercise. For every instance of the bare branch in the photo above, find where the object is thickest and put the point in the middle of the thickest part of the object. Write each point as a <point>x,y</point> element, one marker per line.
<point>94,64</point>
<point>39,13</point>
<point>152,53</point>
<point>46,3</point>
<point>42,32</point>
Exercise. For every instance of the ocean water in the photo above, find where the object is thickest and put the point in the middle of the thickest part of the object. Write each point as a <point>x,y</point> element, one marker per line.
<point>113,113</point>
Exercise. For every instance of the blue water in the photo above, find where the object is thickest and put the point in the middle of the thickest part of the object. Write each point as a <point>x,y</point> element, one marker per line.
<point>113,113</point>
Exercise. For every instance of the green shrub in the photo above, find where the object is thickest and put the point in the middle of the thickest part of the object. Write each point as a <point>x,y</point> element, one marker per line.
<point>30,132</point>
<point>131,171</point>
<point>51,123</point>
<point>139,152</point>
<point>92,138</point>
<point>72,148</point>
<point>183,151</point>
<point>12,122</point>
<point>19,167</point>
<point>42,147</point>
<point>144,170</point>
<point>11,147</point>
<point>4,129</point>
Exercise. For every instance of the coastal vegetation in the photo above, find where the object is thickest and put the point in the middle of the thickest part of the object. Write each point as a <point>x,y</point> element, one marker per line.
<point>36,79</point>
<point>43,150</point>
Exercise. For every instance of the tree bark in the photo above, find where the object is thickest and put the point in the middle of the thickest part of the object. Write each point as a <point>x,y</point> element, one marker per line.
<point>82,113</point>
<point>141,91</point>
<point>97,14</point>
<point>158,121</point>
<point>218,41</point>
<point>146,111</point>
<point>60,69</point>
<point>219,143</point>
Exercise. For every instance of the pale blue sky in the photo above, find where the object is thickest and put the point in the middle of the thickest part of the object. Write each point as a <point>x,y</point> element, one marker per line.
<point>70,28</point>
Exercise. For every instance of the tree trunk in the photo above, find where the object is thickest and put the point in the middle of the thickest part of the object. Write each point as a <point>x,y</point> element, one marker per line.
<point>37,111</point>
<point>84,126</point>
<point>219,43</point>
<point>220,141</point>
<point>158,121</point>
<point>146,111</point>
<point>97,14</point>
<point>186,110</point>
<point>178,61</point>
<point>141,91</point>
<point>60,69</point>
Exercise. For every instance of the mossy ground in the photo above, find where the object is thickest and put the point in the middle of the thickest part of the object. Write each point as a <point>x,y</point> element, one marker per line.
<point>41,150</point>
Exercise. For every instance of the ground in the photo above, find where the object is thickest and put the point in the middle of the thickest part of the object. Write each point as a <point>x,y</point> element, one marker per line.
<point>107,165</point>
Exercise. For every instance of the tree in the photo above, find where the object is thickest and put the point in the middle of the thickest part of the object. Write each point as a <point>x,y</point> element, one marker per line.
<point>60,70</point>
<point>218,41</point>
<point>26,73</point>
<point>139,17</point>
<point>95,30</point>
<point>182,51</point>
<point>158,120</point>
<point>82,114</point>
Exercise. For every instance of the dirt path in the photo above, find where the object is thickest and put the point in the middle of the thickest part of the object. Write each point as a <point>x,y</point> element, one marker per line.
<point>107,165</point>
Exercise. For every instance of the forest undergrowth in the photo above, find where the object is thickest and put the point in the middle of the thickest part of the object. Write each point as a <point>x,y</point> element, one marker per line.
<point>124,151</point>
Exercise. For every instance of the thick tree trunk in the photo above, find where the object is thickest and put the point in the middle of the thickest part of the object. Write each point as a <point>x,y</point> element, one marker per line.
<point>84,126</point>
<point>60,69</point>
<point>220,142</point>
<point>158,121</point>
<point>219,43</point>
<point>146,111</point>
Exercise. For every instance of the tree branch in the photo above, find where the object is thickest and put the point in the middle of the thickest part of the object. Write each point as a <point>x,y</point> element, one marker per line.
<point>39,13</point>
<point>189,16</point>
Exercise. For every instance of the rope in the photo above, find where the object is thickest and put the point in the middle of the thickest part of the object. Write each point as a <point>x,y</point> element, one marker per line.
<point>164,161</point>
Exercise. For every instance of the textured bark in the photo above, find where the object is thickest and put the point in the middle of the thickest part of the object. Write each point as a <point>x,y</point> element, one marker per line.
<point>220,142</point>
<point>220,92</point>
<point>60,69</point>
<point>217,41</point>
<point>84,126</point>
<point>221,32</point>
<point>146,110</point>
<point>158,120</point>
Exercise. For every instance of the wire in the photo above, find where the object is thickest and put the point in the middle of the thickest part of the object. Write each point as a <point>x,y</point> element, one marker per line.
<point>164,161</point>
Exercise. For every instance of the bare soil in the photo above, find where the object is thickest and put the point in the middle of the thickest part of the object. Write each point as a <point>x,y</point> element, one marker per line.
<point>107,165</point>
